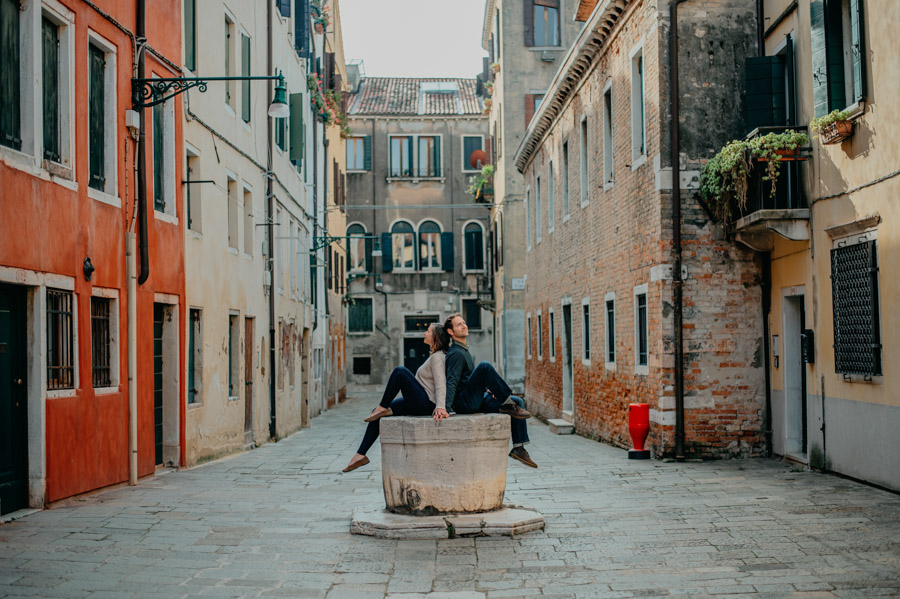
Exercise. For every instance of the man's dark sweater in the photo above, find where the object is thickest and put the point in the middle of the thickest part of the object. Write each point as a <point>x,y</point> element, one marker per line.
<point>459,368</point>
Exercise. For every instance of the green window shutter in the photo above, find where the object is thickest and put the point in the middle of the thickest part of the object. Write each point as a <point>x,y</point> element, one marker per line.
<point>857,50</point>
<point>834,51</point>
<point>447,252</point>
<point>765,103</point>
<point>245,84</point>
<point>10,124</point>
<point>819,57</point>
<point>367,159</point>
<point>412,158</point>
<point>50,58</point>
<point>437,156</point>
<point>295,128</point>
<point>159,202</point>
<point>190,34</point>
<point>96,112</point>
<point>368,245</point>
<point>387,253</point>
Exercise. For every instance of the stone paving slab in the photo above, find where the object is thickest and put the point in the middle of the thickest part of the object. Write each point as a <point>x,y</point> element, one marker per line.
<point>275,522</point>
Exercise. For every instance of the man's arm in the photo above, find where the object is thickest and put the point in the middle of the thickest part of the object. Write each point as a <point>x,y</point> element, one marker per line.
<point>455,363</point>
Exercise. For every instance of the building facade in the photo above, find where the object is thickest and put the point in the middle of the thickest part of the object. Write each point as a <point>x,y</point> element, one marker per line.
<point>525,49</point>
<point>417,241</point>
<point>600,293</point>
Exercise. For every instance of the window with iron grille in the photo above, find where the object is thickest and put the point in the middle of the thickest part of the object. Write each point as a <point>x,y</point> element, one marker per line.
<point>611,331</point>
<point>101,341</point>
<point>641,333</point>
<point>60,335</point>
<point>857,330</point>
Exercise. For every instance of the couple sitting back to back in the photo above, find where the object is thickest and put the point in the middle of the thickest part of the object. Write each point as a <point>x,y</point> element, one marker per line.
<point>447,382</point>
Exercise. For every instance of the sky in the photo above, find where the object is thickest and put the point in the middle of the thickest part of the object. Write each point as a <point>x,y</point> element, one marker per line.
<point>414,38</point>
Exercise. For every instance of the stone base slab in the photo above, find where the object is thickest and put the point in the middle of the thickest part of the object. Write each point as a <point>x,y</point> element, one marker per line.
<point>558,426</point>
<point>509,521</point>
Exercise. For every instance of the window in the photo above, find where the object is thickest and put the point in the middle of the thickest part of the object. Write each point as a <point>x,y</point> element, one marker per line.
<point>586,331</point>
<point>471,312</point>
<point>401,155</point>
<point>551,198</point>
<point>546,22</point>
<point>838,54</point>
<point>190,34</point>
<point>528,218</point>
<point>245,72</point>
<point>10,93</point>
<point>51,100</point>
<point>540,336</point>
<point>164,158</point>
<point>640,324</point>
<point>538,100</point>
<point>281,134</point>
<point>403,244</point>
<point>583,166</point>
<point>610,330</point>
<point>429,245</point>
<point>362,365</point>
<point>429,161</point>
<point>234,351</point>
<point>474,242</point>
<point>192,191</point>
<point>60,340</point>
<point>532,103</point>
<point>195,355</point>
<point>552,324</point>
<point>565,179</point>
<point>359,154</point>
<point>638,126</point>
<point>97,116</point>
<point>357,254</point>
<point>360,315</point>
<point>232,207</point>
<point>854,287</point>
<point>528,333</point>
<point>101,338</point>
<point>607,137</point>
<point>248,222</point>
<point>471,143</point>
<point>537,208</point>
<point>229,54</point>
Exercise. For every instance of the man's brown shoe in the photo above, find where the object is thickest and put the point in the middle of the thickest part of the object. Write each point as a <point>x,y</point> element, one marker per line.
<point>519,453</point>
<point>514,411</point>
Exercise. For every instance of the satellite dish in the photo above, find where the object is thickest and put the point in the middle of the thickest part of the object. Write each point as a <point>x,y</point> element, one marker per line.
<point>478,159</point>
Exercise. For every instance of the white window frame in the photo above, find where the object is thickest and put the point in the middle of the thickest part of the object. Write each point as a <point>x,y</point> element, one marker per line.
<point>528,218</point>
<point>540,336</point>
<point>551,329</point>
<point>484,264</point>
<point>114,340</point>
<point>415,234</point>
<point>537,207</point>
<point>586,332</point>
<point>584,153</point>
<point>353,169</point>
<point>638,107</point>
<point>195,223</point>
<point>638,291</point>
<point>231,204</point>
<point>371,330</point>
<point>168,214</point>
<point>529,334</point>
<point>231,61</point>
<point>431,268</point>
<point>349,246</point>
<point>65,19</point>
<point>110,193</point>
<point>566,164</point>
<point>247,213</point>
<point>233,340</point>
<point>68,285</point>
<point>462,150</point>
<point>551,198</point>
<point>414,159</point>
<point>609,335</point>
<point>609,171</point>
<point>198,359</point>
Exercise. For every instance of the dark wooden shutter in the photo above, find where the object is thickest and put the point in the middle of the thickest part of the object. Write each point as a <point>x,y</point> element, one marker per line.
<point>368,244</point>
<point>50,56</point>
<point>336,179</point>
<point>343,189</point>
<point>96,117</point>
<point>301,28</point>
<point>528,22</point>
<point>245,84</point>
<point>159,202</point>
<point>284,7</point>
<point>190,34</point>
<point>491,56</point>
<point>367,156</point>
<point>412,158</point>
<point>296,130</point>
<point>765,92</point>
<point>834,51</point>
<point>387,253</point>
<point>819,57</point>
<point>857,50</point>
<point>10,124</point>
<point>437,156</point>
<point>329,70</point>
<point>447,252</point>
<point>529,108</point>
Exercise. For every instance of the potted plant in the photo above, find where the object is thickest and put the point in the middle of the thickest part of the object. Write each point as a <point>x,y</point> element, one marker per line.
<point>480,184</point>
<point>832,128</point>
<point>724,179</point>
<point>495,66</point>
<point>321,18</point>
<point>489,88</point>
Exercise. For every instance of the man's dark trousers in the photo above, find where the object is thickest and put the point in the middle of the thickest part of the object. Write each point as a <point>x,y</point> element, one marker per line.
<point>486,391</point>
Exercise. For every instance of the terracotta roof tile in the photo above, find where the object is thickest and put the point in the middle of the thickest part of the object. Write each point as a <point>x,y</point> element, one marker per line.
<point>407,96</point>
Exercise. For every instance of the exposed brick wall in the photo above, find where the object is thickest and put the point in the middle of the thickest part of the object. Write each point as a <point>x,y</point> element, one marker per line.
<point>623,239</point>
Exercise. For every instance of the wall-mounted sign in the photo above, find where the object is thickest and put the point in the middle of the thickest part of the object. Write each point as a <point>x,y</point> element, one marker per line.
<point>518,283</point>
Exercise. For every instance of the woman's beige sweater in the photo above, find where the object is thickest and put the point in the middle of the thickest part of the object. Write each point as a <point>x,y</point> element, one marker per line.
<point>433,376</point>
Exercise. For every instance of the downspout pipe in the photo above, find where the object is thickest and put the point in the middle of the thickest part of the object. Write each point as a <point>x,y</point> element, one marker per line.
<point>270,226</point>
<point>677,283</point>
<point>141,187</point>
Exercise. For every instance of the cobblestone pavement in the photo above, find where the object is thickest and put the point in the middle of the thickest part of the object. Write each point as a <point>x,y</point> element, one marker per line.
<point>275,522</point>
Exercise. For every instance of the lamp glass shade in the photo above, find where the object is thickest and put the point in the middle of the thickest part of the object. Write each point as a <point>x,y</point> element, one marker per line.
<point>278,108</point>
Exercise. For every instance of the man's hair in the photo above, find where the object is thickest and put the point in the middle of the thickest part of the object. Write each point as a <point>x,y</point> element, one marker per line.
<point>448,324</point>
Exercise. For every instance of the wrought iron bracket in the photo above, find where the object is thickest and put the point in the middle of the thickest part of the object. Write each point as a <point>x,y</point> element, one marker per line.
<point>150,92</point>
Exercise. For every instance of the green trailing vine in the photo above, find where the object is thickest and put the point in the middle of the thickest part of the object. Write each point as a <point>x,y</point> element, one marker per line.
<point>478,182</point>
<point>724,179</point>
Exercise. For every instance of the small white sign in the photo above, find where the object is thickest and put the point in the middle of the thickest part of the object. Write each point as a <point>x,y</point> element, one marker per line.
<point>518,283</point>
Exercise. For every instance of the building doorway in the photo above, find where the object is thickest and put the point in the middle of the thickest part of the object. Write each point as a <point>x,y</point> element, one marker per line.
<point>13,400</point>
<point>568,375</point>
<point>795,419</point>
<point>165,385</point>
<point>415,350</point>
<point>248,380</point>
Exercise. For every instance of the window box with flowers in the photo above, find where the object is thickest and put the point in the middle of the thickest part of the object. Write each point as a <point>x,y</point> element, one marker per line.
<point>326,104</point>
<point>481,186</point>
<point>833,128</point>
<point>319,11</point>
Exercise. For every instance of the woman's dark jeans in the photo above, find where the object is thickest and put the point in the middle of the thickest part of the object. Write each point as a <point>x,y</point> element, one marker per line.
<point>413,402</point>
<point>486,391</point>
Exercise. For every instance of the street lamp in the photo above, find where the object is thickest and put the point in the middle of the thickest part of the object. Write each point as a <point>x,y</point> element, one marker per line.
<point>150,92</point>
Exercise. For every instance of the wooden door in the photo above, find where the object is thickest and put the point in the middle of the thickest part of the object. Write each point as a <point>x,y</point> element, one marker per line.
<point>13,401</point>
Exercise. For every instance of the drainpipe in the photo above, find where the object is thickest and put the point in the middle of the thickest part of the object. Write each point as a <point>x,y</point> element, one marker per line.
<point>676,232</point>
<point>766,289</point>
<point>760,28</point>
<point>130,275</point>
<point>141,188</point>
<point>270,225</point>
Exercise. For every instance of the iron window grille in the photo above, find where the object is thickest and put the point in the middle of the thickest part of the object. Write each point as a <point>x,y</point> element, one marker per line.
<point>854,286</point>
<point>642,329</point>
<point>101,341</point>
<point>60,354</point>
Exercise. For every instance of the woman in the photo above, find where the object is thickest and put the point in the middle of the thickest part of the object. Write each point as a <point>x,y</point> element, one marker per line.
<point>421,395</point>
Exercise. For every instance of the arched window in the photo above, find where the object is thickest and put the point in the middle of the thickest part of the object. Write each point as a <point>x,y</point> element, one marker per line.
<point>403,243</point>
<point>429,245</point>
<point>356,248</point>
<point>474,237</point>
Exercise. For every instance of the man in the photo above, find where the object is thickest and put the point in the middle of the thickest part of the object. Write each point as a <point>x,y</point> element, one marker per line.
<point>479,388</point>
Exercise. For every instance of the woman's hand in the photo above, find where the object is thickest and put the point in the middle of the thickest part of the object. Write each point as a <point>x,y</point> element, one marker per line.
<point>439,414</point>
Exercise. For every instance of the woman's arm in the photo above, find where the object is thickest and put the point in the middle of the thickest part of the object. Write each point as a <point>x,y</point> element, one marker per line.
<point>438,371</point>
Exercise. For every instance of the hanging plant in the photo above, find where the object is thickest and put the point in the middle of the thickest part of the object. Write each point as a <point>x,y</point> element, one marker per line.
<point>832,128</point>
<point>724,179</point>
<point>495,66</point>
<point>323,107</point>
<point>479,184</point>
<point>320,14</point>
